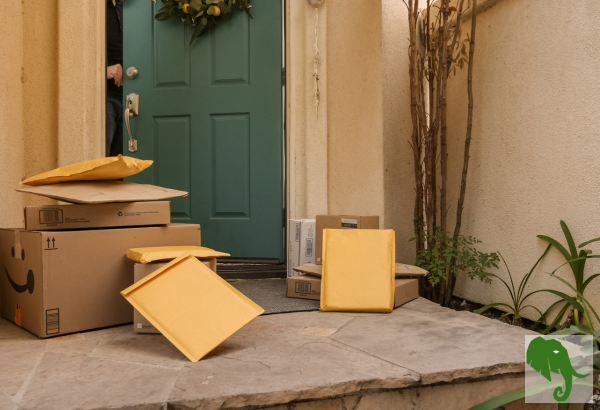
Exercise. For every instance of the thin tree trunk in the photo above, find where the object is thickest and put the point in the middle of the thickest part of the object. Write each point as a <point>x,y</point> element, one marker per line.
<point>443,70</point>
<point>416,147</point>
<point>443,127</point>
<point>463,181</point>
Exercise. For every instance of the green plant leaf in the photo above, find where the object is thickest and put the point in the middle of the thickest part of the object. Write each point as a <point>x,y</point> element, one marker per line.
<point>526,278</point>
<point>582,329</point>
<point>571,300</point>
<point>513,294</point>
<point>542,318</point>
<point>565,332</point>
<point>576,291</point>
<point>506,398</point>
<point>557,319</point>
<point>491,305</point>
<point>569,238</point>
<point>587,282</point>
<point>588,242</point>
<point>557,245</point>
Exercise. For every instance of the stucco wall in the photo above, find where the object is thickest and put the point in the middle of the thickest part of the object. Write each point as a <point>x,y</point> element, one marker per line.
<point>11,112</point>
<point>306,131</point>
<point>354,104</point>
<point>536,119</point>
<point>398,174</point>
<point>535,148</point>
<point>50,111</point>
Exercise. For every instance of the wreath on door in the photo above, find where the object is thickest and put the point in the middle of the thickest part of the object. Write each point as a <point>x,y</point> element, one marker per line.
<point>201,14</point>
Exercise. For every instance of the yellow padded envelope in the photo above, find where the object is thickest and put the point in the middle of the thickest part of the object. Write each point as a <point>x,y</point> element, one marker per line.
<point>101,169</point>
<point>191,305</point>
<point>164,253</point>
<point>358,270</point>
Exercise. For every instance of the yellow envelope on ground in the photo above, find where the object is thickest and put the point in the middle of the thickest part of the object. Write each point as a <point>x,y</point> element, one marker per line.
<point>358,270</point>
<point>101,169</point>
<point>165,253</point>
<point>191,305</point>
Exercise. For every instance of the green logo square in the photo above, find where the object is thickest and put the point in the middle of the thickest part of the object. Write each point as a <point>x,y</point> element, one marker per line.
<point>558,369</point>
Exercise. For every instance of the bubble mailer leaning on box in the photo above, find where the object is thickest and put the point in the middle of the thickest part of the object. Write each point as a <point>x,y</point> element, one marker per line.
<point>358,270</point>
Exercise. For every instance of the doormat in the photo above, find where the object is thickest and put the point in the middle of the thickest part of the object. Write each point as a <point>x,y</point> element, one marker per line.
<point>270,294</point>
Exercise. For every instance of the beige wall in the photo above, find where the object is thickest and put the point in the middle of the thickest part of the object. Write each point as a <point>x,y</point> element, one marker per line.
<point>11,112</point>
<point>354,104</point>
<point>336,158</point>
<point>50,112</point>
<point>536,145</point>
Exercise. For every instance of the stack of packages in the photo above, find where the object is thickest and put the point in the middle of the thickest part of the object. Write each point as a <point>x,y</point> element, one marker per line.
<point>354,266</point>
<point>67,270</point>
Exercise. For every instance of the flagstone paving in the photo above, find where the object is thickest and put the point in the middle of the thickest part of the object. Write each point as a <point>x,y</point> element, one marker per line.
<point>421,356</point>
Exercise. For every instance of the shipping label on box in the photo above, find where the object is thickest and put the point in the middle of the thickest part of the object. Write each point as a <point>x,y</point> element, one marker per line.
<point>340,222</point>
<point>140,271</point>
<point>58,282</point>
<point>82,216</point>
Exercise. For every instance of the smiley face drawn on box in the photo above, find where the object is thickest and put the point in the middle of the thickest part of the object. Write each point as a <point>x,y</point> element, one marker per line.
<point>29,285</point>
<point>20,277</point>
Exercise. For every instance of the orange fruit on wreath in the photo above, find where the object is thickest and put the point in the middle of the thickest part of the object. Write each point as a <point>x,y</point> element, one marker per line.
<point>217,11</point>
<point>185,8</point>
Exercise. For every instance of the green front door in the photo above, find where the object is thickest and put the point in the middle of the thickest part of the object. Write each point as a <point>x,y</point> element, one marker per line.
<point>211,119</point>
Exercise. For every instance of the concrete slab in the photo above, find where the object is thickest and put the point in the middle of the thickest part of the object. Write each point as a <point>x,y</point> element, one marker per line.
<point>313,359</point>
<point>440,344</point>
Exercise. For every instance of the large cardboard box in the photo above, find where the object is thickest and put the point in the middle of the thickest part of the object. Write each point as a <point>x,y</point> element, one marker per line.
<point>79,216</point>
<point>309,287</point>
<point>140,271</point>
<point>340,222</point>
<point>58,282</point>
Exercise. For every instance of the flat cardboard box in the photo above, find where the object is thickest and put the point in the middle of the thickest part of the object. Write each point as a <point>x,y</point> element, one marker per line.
<point>140,271</point>
<point>100,192</point>
<point>80,216</point>
<point>309,287</point>
<point>304,286</point>
<point>340,222</point>
<point>293,245</point>
<point>307,241</point>
<point>402,270</point>
<point>58,282</point>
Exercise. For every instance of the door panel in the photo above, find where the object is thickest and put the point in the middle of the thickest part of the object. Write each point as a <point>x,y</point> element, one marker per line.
<point>211,119</point>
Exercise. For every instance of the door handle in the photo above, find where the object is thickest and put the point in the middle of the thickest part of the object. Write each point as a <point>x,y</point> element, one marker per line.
<point>132,109</point>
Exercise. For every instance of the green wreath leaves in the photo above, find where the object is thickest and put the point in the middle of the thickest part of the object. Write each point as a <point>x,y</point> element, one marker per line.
<point>201,14</point>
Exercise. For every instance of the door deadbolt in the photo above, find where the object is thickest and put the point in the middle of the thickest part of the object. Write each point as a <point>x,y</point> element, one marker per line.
<point>132,73</point>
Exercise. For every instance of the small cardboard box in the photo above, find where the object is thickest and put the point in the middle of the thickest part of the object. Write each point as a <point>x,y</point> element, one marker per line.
<point>79,216</point>
<point>340,222</point>
<point>307,241</point>
<point>304,287</point>
<point>58,282</point>
<point>309,287</point>
<point>140,271</point>
<point>293,245</point>
<point>191,305</point>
